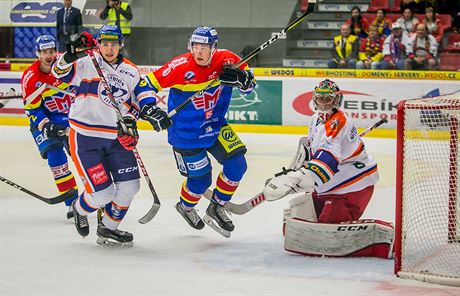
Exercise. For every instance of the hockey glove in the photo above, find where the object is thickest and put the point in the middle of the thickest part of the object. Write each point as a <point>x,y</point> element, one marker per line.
<point>158,118</point>
<point>76,47</point>
<point>54,131</point>
<point>236,77</point>
<point>128,136</point>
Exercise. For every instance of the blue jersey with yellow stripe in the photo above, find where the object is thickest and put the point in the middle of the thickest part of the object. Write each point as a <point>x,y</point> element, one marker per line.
<point>197,125</point>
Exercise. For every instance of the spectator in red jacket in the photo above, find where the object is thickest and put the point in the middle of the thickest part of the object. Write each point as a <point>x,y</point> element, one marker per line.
<point>358,24</point>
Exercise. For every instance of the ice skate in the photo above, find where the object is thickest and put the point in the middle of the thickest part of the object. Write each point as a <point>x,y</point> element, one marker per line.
<point>70,213</point>
<point>113,237</point>
<point>216,218</point>
<point>192,217</point>
<point>81,222</point>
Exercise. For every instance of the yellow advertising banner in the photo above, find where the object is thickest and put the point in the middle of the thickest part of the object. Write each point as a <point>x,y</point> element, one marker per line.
<point>343,73</point>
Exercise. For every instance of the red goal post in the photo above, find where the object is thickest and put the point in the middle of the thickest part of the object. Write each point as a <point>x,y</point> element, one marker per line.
<point>427,234</point>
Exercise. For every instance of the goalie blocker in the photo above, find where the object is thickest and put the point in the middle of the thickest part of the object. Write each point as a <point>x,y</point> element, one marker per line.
<point>361,238</point>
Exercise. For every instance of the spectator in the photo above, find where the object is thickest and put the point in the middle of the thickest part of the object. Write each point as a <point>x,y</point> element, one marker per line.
<point>408,21</point>
<point>370,51</point>
<point>382,23</point>
<point>394,49</point>
<point>417,6</point>
<point>345,49</point>
<point>451,7</point>
<point>118,13</point>
<point>422,50</point>
<point>433,25</point>
<point>68,22</point>
<point>358,24</point>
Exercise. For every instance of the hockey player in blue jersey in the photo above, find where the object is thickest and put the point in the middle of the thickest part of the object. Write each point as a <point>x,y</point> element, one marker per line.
<point>200,128</point>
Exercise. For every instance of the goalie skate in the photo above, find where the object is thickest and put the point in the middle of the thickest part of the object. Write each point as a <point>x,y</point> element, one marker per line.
<point>113,237</point>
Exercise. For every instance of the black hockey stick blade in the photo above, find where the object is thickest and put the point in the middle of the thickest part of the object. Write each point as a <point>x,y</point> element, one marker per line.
<point>51,201</point>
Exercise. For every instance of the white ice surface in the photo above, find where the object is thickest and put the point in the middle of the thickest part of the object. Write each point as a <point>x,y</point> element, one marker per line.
<point>42,254</point>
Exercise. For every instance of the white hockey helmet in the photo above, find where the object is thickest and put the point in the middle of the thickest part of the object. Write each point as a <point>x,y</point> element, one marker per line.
<point>327,96</point>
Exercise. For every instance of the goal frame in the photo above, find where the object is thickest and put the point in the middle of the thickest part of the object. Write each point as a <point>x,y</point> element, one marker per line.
<point>452,192</point>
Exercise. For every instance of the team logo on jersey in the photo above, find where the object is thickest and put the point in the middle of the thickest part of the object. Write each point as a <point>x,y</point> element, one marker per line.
<point>207,101</point>
<point>58,102</point>
<point>118,88</point>
<point>189,75</point>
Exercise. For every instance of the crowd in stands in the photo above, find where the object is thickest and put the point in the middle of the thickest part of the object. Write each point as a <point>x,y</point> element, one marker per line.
<point>414,39</point>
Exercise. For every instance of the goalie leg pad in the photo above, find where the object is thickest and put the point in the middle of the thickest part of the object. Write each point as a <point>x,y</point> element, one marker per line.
<point>301,207</point>
<point>370,238</point>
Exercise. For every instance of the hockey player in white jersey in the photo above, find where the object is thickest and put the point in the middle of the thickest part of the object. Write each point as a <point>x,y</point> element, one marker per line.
<point>331,180</point>
<point>100,147</point>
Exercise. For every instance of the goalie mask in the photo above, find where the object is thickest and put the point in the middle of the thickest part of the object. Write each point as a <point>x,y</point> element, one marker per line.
<point>327,97</point>
<point>204,35</point>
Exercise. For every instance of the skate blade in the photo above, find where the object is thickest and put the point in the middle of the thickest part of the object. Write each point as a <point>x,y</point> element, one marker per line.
<point>110,242</point>
<point>211,223</point>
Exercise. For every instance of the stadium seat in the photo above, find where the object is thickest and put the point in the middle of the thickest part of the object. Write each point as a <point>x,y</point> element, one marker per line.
<point>303,5</point>
<point>396,6</point>
<point>451,39</point>
<point>393,16</point>
<point>446,20</point>
<point>370,17</point>
<point>449,61</point>
<point>375,5</point>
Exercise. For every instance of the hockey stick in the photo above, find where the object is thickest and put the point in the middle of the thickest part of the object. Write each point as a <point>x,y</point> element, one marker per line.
<point>156,201</point>
<point>51,201</point>
<point>241,209</point>
<point>243,60</point>
<point>41,89</point>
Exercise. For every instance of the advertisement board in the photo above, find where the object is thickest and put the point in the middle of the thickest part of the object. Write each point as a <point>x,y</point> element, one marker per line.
<point>364,100</point>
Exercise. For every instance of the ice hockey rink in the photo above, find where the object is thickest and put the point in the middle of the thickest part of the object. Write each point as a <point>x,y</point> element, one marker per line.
<point>42,254</point>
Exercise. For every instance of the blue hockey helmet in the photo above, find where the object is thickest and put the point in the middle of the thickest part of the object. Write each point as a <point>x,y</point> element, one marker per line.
<point>44,42</point>
<point>110,33</point>
<point>204,35</point>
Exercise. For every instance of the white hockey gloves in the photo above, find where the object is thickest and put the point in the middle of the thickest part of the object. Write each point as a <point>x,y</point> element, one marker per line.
<point>291,182</point>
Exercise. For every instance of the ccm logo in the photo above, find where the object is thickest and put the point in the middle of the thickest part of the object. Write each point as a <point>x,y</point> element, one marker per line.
<point>352,228</point>
<point>128,170</point>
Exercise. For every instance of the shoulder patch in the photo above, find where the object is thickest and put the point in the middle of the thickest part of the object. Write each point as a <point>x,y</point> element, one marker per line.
<point>335,124</point>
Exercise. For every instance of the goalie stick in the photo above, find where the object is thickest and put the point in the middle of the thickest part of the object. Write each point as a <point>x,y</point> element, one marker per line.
<point>51,201</point>
<point>241,209</point>
<point>243,60</point>
<point>156,201</point>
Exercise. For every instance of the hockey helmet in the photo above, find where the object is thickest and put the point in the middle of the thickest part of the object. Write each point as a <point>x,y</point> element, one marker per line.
<point>327,96</point>
<point>44,42</point>
<point>110,33</point>
<point>204,35</point>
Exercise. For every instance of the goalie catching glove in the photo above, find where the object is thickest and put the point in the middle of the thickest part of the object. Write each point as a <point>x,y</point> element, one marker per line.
<point>128,135</point>
<point>158,118</point>
<point>236,77</point>
<point>288,183</point>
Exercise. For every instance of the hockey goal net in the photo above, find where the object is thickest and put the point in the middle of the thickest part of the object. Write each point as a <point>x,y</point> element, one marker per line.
<point>427,239</point>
